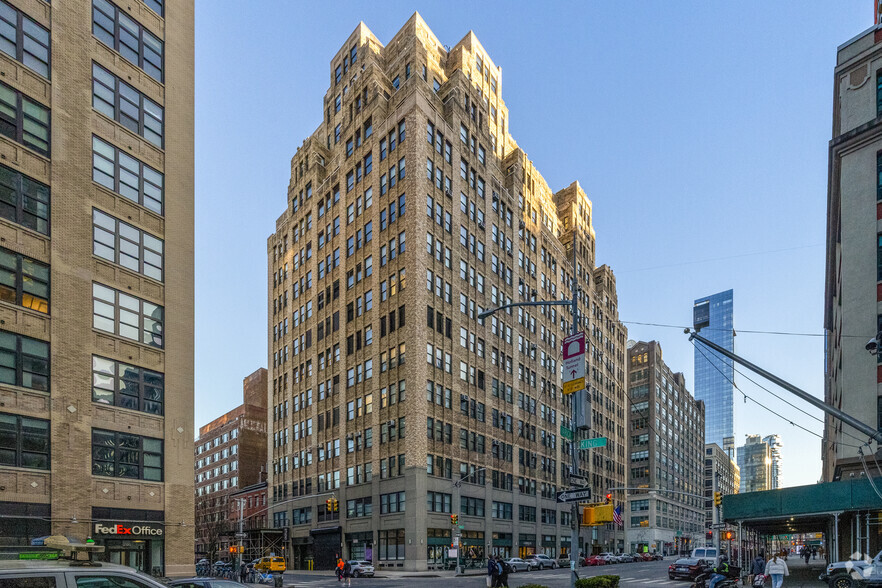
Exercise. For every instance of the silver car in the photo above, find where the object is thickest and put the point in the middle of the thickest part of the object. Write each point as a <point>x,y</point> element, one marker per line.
<point>361,568</point>
<point>542,561</point>
<point>518,565</point>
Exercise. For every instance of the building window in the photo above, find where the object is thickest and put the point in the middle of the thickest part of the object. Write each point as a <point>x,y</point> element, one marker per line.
<point>24,201</point>
<point>23,120</point>
<point>125,175</point>
<point>878,93</point>
<point>137,45</point>
<point>121,243</point>
<point>24,361</point>
<point>438,502</point>
<point>124,315</point>
<point>24,281</point>
<point>121,455</point>
<point>393,502</point>
<point>391,544</point>
<point>24,442</point>
<point>24,40</point>
<point>156,6</point>
<point>118,384</point>
<point>119,101</point>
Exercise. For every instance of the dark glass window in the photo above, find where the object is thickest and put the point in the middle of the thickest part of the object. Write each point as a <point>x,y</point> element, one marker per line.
<point>23,120</point>
<point>24,201</point>
<point>125,175</point>
<point>136,44</point>
<point>121,102</point>
<point>119,384</point>
<point>24,281</point>
<point>24,442</point>
<point>121,455</point>
<point>23,39</point>
<point>24,361</point>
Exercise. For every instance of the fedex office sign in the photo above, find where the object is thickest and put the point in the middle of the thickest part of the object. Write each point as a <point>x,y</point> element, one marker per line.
<point>134,530</point>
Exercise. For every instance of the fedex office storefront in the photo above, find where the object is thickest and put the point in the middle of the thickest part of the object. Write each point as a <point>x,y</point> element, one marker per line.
<point>139,544</point>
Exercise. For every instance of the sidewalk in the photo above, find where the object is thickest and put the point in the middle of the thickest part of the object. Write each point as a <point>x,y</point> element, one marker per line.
<point>802,575</point>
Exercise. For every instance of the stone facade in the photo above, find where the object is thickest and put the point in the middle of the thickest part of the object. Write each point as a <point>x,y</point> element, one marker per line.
<point>411,209</point>
<point>118,390</point>
<point>230,455</point>
<point>666,442</point>
<point>728,475</point>
<point>853,300</point>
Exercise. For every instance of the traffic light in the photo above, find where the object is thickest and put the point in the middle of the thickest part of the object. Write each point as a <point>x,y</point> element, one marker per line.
<point>335,504</point>
<point>709,535</point>
<point>329,504</point>
<point>608,499</point>
<point>728,535</point>
<point>454,519</point>
<point>718,498</point>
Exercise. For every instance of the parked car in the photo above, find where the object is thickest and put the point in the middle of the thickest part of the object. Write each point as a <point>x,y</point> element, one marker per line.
<point>687,568</point>
<point>626,558</point>
<point>541,561</point>
<point>361,568</point>
<point>518,565</point>
<point>595,560</point>
<point>205,583</point>
<point>610,558</point>
<point>860,572</point>
<point>564,561</point>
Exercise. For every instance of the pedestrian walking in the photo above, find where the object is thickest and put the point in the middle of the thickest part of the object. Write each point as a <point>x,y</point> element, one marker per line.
<point>243,572</point>
<point>814,553</point>
<point>503,577</point>
<point>777,568</point>
<point>347,574</point>
<point>339,569</point>
<point>807,554</point>
<point>491,572</point>
<point>757,567</point>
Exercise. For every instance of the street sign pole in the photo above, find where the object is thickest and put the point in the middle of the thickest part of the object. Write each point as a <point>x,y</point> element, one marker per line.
<point>574,510</point>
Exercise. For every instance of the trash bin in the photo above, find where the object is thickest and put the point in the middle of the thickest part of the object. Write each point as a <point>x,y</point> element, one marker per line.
<point>277,580</point>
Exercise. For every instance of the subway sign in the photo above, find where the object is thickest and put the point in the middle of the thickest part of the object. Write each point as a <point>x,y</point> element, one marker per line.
<point>134,530</point>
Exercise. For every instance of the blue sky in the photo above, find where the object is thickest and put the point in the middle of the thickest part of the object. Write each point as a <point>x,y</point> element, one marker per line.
<point>698,129</point>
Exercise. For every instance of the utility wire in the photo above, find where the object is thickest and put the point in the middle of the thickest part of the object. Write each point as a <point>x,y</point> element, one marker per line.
<point>700,350</point>
<point>785,401</point>
<point>755,332</point>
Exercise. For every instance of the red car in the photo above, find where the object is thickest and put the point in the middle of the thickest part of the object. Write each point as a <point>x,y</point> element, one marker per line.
<point>595,560</point>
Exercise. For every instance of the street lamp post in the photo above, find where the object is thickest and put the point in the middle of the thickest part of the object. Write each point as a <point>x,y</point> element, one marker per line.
<point>574,311</point>
<point>454,507</point>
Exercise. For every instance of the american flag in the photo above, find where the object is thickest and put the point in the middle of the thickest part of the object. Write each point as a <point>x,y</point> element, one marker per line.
<point>617,515</point>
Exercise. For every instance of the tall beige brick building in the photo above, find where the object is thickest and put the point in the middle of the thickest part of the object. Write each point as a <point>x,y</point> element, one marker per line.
<point>410,209</point>
<point>96,300</point>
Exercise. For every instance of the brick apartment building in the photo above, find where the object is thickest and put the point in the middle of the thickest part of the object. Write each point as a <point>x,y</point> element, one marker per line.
<point>96,245</point>
<point>409,210</point>
<point>666,446</point>
<point>250,504</point>
<point>230,455</point>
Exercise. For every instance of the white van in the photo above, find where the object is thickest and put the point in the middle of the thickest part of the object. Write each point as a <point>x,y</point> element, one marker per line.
<point>708,554</point>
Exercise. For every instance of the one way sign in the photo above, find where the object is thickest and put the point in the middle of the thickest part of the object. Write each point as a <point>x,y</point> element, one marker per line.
<point>574,495</point>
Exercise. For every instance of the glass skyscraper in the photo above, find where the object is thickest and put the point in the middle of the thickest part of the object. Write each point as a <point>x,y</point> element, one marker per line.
<point>714,374</point>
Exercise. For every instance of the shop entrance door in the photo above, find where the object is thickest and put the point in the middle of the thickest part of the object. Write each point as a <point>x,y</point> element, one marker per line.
<point>131,556</point>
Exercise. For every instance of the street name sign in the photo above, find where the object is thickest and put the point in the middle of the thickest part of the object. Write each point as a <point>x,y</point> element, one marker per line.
<point>578,482</point>
<point>574,363</point>
<point>591,443</point>
<point>566,433</point>
<point>574,495</point>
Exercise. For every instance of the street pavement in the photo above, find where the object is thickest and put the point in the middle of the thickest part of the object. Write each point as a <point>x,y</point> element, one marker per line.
<point>631,574</point>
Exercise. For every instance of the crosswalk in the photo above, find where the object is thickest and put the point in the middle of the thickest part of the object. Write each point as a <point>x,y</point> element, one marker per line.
<point>623,581</point>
